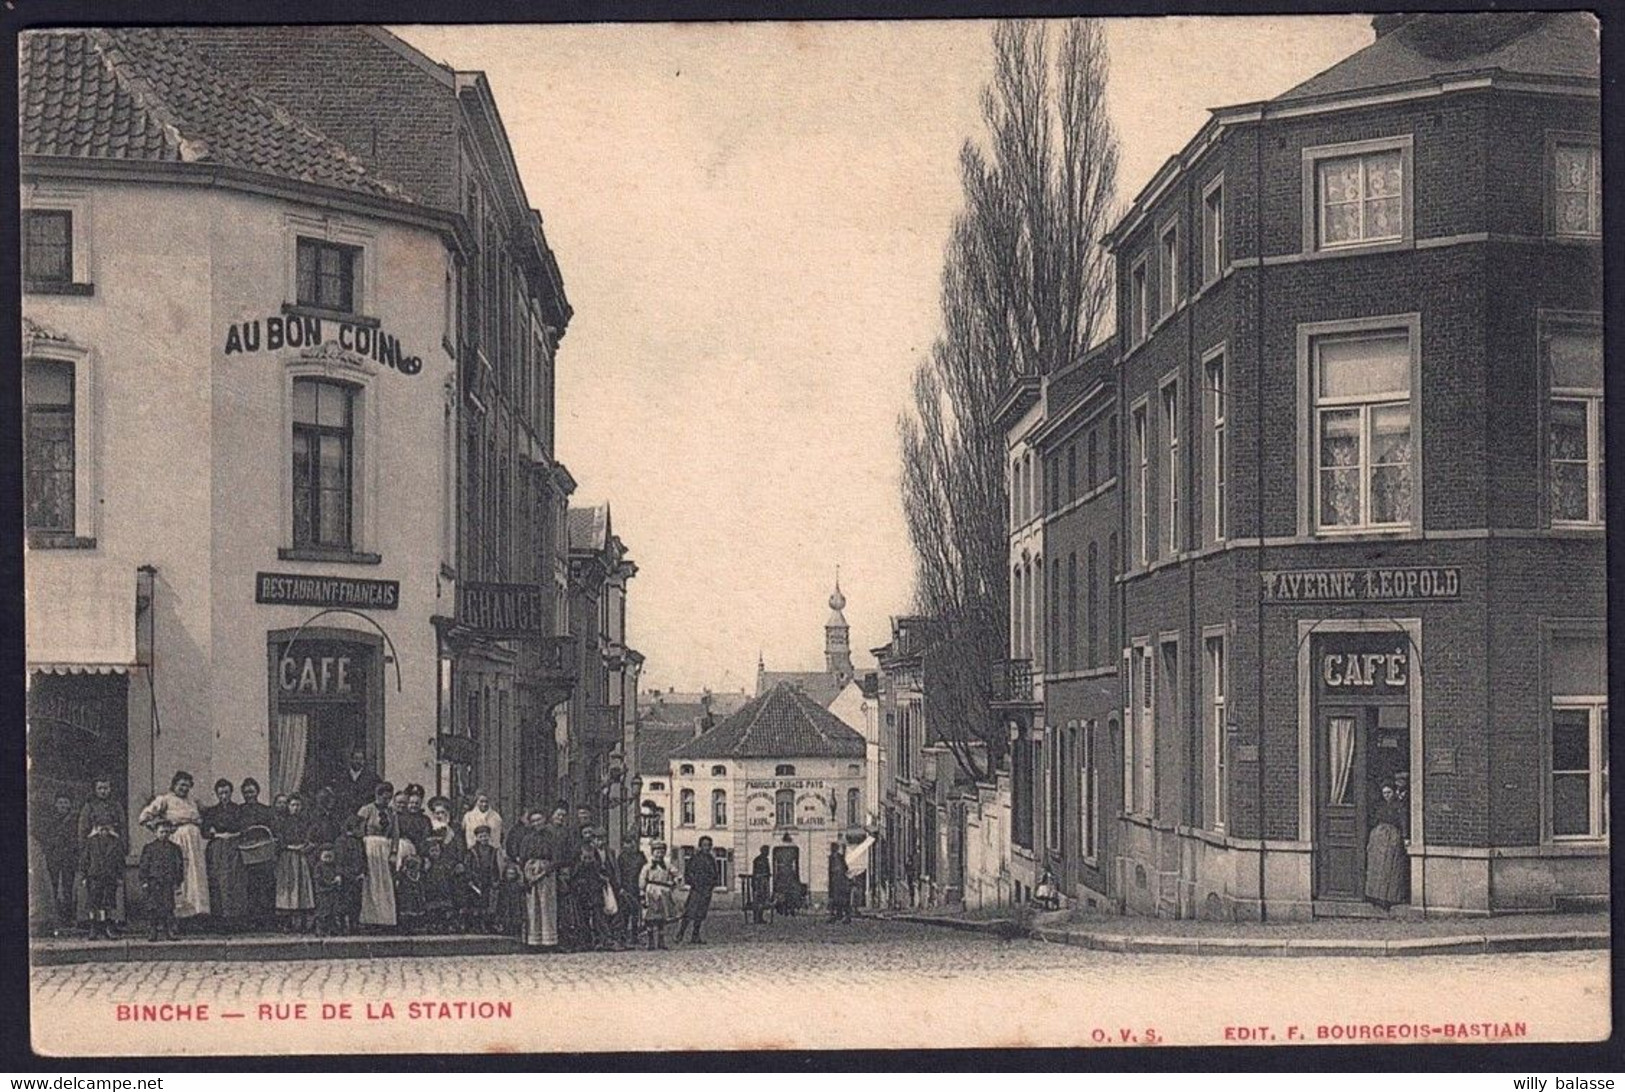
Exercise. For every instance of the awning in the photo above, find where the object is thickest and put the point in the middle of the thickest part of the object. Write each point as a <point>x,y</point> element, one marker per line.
<point>80,612</point>
<point>81,669</point>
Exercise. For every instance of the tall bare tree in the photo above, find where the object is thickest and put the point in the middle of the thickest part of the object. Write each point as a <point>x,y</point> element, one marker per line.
<point>1026,288</point>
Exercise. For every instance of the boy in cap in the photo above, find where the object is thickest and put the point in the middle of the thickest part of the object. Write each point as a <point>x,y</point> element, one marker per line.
<point>161,870</point>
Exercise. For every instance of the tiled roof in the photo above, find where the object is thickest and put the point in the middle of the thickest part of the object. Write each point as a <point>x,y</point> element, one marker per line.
<point>656,742</point>
<point>1435,45</point>
<point>821,686</point>
<point>588,527</point>
<point>783,723</point>
<point>143,93</point>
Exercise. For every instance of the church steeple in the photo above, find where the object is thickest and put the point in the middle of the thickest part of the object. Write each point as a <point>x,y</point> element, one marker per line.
<point>837,634</point>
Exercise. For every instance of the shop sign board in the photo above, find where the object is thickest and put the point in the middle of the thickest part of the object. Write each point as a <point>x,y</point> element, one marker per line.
<point>1368,585</point>
<point>504,610</point>
<point>295,589</point>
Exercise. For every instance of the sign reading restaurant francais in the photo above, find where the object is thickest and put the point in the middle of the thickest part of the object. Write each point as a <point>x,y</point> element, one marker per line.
<point>292,589</point>
<point>504,610</point>
<point>1374,585</point>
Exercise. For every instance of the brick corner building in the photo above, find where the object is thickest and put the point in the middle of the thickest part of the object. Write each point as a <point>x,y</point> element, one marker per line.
<point>1362,505</point>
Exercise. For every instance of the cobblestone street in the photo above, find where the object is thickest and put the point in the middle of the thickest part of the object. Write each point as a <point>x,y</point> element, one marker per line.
<point>804,983</point>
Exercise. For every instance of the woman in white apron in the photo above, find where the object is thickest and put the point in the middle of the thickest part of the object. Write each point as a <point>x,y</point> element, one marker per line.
<point>380,836</point>
<point>177,806</point>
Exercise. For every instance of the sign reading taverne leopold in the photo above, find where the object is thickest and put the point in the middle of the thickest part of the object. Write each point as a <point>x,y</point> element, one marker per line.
<point>1373,585</point>
<point>504,610</point>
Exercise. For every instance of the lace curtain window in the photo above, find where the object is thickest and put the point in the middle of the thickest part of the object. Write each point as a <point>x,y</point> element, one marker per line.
<point>1363,421</point>
<point>1362,198</point>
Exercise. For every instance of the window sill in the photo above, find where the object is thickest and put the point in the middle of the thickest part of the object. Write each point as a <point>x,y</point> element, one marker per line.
<point>321,553</point>
<point>1578,530</point>
<point>1386,246</point>
<point>58,288</point>
<point>306,310</point>
<point>59,540</point>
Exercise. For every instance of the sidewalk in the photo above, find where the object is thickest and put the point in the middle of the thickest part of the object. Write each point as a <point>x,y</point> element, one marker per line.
<point>134,946</point>
<point>1324,937</point>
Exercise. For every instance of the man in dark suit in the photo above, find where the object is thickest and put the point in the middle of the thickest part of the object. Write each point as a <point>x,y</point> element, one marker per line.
<point>761,880</point>
<point>630,868</point>
<point>355,786</point>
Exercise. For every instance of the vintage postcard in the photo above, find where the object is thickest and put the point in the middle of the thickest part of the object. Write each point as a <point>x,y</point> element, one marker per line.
<point>811,535</point>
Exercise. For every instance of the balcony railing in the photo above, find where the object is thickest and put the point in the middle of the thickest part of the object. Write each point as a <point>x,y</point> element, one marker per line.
<point>1012,682</point>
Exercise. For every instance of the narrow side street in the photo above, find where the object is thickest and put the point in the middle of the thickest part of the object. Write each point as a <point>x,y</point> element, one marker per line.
<point>804,983</point>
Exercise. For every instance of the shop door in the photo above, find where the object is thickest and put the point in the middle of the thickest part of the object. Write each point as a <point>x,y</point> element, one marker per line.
<point>1340,802</point>
<point>786,869</point>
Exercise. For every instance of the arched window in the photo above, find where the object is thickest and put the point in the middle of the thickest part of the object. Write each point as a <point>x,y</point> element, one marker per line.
<point>657,786</point>
<point>686,770</point>
<point>852,817</point>
<point>719,771</point>
<point>719,808</point>
<point>852,769</point>
<point>685,812</point>
<point>784,808</point>
<point>784,770</point>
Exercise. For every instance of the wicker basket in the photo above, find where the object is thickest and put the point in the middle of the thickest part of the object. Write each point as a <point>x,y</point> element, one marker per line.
<point>257,845</point>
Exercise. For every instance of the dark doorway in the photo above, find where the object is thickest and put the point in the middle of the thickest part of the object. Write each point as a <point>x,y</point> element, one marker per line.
<point>787,876</point>
<point>1341,797</point>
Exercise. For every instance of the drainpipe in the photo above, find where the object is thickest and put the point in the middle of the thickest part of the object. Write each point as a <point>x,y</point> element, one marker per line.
<point>1258,499</point>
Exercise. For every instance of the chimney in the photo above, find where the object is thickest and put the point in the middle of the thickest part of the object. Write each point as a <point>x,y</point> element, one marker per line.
<point>1391,21</point>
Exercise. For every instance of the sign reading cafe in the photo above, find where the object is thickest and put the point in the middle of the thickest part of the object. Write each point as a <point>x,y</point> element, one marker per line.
<point>276,332</point>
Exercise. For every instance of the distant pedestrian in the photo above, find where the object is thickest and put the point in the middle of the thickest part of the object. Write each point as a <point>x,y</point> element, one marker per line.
<point>761,882</point>
<point>355,787</point>
<point>840,885</point>
<point>656,884</point>
<point>102,809</point>
<point>701,877</point>
<point>162,871</point>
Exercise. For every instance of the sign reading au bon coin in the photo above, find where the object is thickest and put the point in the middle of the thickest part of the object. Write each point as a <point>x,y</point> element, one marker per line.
<point>276,332</point>
<point>504,610</point>
<point>1373,585</point>
<point>293,589</point>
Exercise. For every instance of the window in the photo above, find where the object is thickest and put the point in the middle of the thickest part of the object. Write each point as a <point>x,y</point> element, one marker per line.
<point>686,770</point>
<point>1055,643</point>
<point>1072,472</point>
<point>725,868</point>
<point>1170,432</point>
<point>657,786</point>
<point>323,449</point>
<point>1574,425</point>
<point>1213,256</point>
<point>1219,788</point>
<point>1111,590</point>
<point>327,275</point>
<point>854,813</point>
<point>49,461</point>
<point>685,807</point>
<point>1168,269</point>
<point>1214,391</point>
<point>1363,431</point>
<point>1111,447</point>
<point>784,808</point>
<point>1140,752</point>
<point>1360,197</point>
<point>1089,784</point>
<point>48,246</point>
<point>1139,303</point>
<point>1142,485</point>
<point>719,808</point>
<point>784,770</point>
<point>1021,794</point>
<point>1577,792</point>
<point>1071,611</point>
<point>719,771</point>
<point>1094,459</point>
<point>1055,498</point>
<point>1092,611</point>
<point>853,769</point>
<point>1576,188</point>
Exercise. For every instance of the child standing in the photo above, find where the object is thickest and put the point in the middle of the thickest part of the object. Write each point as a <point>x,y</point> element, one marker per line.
<point>656,884</point>
<point>328,884</point>
<point>351,858</point>
<point>411,902</point>
<point>162,870</point>
<point>101,862</point>
<point>482,882</point>
<point>510,902</point>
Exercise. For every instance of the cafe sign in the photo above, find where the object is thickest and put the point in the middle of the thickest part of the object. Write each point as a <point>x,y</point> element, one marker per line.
<point>1371,585</point>
<point>505,610</point>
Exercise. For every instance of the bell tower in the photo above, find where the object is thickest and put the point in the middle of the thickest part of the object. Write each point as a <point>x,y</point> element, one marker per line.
<point>837,635</point>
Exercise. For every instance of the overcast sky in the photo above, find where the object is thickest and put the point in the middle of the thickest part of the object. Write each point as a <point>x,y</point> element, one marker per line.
<point>750,221</point>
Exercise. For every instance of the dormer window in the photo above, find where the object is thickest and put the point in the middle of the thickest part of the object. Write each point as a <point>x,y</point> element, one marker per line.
<point>784,770</point>
<point>686,770</point>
